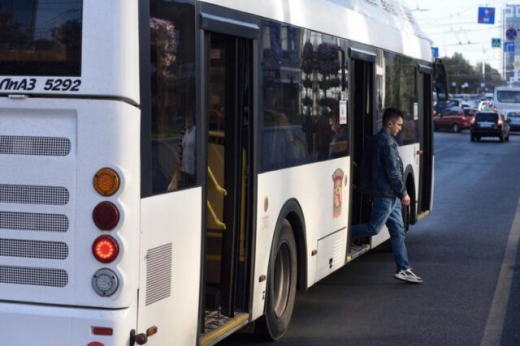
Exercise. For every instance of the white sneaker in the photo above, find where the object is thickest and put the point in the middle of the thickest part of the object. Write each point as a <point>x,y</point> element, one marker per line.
<point>408,276</point>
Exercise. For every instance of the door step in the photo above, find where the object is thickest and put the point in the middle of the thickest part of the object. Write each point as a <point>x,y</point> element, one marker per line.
<point>218,326</point>
<point>356,251</point>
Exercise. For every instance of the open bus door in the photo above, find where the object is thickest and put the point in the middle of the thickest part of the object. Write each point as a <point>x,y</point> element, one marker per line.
<point>228,62</point>
<point>426,141</point>
<point>437,79</point>
<point>362,88</point>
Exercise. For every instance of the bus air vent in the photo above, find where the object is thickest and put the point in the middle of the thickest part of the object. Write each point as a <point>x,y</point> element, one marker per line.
<point>33,276</point>
<point>42,146</point>
<point>26,194</point>
<point>158,273</point>
<point>389,7</point>
<point>33,222</point>
<point>33,249</point>
<point>371,2</point>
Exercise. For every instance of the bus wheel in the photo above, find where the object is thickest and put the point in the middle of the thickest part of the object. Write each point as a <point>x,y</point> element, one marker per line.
<point>281,285</point>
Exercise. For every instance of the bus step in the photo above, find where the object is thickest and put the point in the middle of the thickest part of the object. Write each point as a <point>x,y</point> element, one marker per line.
<point>218,326</point>
<point>356,251</point>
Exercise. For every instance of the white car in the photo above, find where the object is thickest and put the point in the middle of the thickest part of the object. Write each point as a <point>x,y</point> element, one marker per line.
<point>486,106</point>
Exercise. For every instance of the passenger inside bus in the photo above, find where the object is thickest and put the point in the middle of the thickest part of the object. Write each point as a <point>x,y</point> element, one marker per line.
<point>184,173</point>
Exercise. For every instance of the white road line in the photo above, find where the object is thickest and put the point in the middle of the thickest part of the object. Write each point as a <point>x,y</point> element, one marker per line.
<point>497,314</point>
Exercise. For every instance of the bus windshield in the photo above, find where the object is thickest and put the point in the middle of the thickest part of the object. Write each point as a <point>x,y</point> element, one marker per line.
<point>40,37</point>
<point>508,96</point>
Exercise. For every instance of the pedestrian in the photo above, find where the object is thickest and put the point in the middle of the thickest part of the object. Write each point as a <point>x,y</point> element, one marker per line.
<point>381,178</point>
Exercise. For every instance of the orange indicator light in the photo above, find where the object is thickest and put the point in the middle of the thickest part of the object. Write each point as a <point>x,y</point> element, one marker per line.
<point>106,182</point>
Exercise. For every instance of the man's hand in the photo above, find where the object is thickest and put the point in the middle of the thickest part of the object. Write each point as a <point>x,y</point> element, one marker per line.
<point>406,200</point>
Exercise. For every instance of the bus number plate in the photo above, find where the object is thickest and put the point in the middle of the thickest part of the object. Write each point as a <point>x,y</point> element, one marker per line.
<point>62,85</point>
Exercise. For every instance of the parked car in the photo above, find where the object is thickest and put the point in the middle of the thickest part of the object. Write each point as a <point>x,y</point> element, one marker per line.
<point>454,118</point>
<point>513,118</point>
<point>489,124</point>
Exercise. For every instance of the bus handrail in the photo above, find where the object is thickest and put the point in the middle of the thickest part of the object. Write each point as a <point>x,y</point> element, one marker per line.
<point>215,218</point>
<point>215,182</point>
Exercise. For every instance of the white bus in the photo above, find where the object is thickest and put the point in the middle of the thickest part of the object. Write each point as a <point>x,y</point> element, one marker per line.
<point>173,170</point>
<point>507,98</point>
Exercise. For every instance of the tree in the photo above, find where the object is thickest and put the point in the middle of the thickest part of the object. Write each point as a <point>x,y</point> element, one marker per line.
<point>460,71</point>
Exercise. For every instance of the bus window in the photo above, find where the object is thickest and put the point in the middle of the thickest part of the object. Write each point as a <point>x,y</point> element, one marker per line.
<point>40,38</point>
<point>174,125</point>
<point>304,74</point>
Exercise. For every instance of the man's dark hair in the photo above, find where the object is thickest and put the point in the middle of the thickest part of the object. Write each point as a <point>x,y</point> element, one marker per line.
<point>391,114</point>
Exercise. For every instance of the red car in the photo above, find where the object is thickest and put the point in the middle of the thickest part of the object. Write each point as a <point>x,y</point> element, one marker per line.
<point>455,119</point>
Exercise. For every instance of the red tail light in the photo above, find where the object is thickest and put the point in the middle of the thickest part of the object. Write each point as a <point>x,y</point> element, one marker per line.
<point>95,343</point>
<point>106,216</point>
<point>105,249</point>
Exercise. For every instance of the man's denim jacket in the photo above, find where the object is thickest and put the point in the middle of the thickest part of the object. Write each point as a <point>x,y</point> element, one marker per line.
<point>381,172</point>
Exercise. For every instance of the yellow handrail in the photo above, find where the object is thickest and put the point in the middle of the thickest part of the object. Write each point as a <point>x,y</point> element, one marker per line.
<point>215,182</point>
<point>215,218</point>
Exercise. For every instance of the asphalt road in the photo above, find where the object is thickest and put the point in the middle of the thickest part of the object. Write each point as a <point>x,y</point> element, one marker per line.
<point>460,251</point>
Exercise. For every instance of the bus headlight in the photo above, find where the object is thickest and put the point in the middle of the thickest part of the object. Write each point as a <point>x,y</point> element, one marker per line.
<point>105,282</point>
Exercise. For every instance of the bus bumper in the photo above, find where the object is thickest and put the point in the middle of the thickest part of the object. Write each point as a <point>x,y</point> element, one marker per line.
<point>24,324</point>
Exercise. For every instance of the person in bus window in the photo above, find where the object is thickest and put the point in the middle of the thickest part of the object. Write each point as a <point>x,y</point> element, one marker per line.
<point>382,179</point>
<point>184,173</point>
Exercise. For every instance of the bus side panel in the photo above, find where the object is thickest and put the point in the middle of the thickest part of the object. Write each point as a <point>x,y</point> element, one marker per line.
<point>25,324</point>
<point>170,267</point>
<point>313,187</point>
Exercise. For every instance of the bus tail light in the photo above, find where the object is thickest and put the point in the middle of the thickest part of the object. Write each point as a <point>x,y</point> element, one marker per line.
<point>95,343</point>
<point>106,182</point>
<point>106,216</point>
<point>105,282</point>
<point>105,249</point>
<point>102,331</point>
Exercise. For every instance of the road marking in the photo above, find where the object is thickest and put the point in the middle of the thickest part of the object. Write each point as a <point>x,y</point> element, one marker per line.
<point>497,314</point>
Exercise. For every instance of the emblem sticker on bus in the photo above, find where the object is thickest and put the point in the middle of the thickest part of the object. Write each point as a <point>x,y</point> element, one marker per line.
<point>337,179</point>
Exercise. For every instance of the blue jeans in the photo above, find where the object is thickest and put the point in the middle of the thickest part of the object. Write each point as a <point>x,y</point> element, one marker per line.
<point>386,210</point>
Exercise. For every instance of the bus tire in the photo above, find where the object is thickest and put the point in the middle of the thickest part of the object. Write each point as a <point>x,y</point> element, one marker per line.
<point>281,285</point>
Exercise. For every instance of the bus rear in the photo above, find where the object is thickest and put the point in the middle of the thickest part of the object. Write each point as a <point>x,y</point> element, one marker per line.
<point>507,98</point>
<point>70,171</point>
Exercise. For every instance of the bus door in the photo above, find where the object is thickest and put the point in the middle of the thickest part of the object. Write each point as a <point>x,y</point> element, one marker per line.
<point>228,109</point>
<point>426,140</point>
<point>362,82</point>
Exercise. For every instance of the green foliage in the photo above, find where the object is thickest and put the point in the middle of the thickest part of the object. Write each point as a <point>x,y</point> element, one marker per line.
<point>460,71</point>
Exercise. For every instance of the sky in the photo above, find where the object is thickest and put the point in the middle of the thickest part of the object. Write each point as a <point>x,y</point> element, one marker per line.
<point>453,27</point>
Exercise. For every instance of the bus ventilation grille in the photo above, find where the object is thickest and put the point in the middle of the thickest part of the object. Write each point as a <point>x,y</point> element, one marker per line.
<point>26,194</point>
<point>33,222</point>
<point>371,2</point>
<point>25,145</point>
<point>389,7</point>
<point>33,249</point>
<point>158,273</point>
<point>33,276</point>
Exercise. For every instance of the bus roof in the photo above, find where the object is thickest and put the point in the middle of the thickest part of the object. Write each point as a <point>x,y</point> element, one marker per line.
<point>384,24</point>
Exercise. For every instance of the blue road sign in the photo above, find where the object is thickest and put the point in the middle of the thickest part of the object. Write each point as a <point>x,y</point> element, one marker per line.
<point>486,15</point>
<point>511,34</point>
<point>496,43</point>
<point>509,47</point>
<point>435,52</point>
